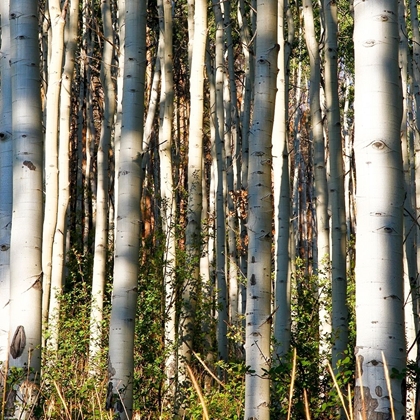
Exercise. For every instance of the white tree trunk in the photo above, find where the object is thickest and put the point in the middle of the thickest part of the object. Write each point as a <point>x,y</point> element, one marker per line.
<point>59,246</point>
<point>6,174</point>
<point>380,338</point>
<point>260,215</point>
<point>26,237</point>
<point>281,182</point>
<point>339,316</point>
<point>127,235</point>
<point>101,228</point>
<point>168,205</point>
<point>321,187</point>
<point>233,167</point>
<point>50,304</point>
<point>220,250</point>
<point>195,173</point>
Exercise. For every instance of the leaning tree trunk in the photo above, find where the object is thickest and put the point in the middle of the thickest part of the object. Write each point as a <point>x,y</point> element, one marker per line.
<point>260,216</point>
<point>26,237</point>
<point>380,342</point>
<point>127,232</point>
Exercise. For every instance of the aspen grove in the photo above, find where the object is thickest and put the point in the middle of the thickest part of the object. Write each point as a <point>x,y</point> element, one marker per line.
<point>209,209</point>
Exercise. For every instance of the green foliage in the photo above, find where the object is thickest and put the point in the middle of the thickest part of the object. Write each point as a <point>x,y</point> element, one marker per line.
<point>68,390</point>
<point>149,358</point>
<point>223,400</point>
<point>312,374</point>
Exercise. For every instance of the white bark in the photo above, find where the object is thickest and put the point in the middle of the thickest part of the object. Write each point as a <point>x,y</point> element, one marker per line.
<point>220,228</point>
<point>6,174</point>
<point>320,174</point>
<point>247,100</point>
<point>380,199</point>
<point>195,173</point>
<point>168,206</point>
<point>118,119</point>
<point>260,215</point>
<point>233,167</point>
<point>26,237</point>
<point>281,181</point>
<point>59,246</point>
<point>127,236</point>
<point>51,292</point>
<point>339,316</point>
<point>101,228</point>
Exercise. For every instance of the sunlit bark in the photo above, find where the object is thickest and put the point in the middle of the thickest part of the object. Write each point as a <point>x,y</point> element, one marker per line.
<point>6,174</point>
<point>127,231</point>
<point>51,292</point>
<point>260,215</point>
<point>380,342</point>
<point>26,237</point>
<point>102,198</point>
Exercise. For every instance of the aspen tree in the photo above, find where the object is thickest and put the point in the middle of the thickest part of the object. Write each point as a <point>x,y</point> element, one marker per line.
<point>6,174</point>
<point>281,181</point>
<point>26,236</point>
<point>195,173</point>
<point>339,316</point>
<point>119,111</point>
<point>410,262</point>
<point>221,186</point>
<point>50,304</point>
<point>415,88</point>
<point>260,215</point>
<point>245,116</point>
<point>101,228</point>
<point>320,175</point>
<point>127,229</point>
<point>233,167</point>
<point>380,341</point>
<point>59,245</point>
<point>168,208</point>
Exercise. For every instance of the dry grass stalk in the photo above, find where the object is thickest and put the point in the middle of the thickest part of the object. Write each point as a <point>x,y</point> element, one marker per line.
<point>340,394</point>
<point>199,393</point>
<point>292,384</point>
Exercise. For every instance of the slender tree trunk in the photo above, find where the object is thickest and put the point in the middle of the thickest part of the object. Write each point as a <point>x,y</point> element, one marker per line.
<point>380,342</point>
<point>127,237</point>
<point>195,173</point>
<point>221,249</point>
<point>50,305</point>
<point>320,174</point>
<point>6,177</point>
<point>102,198</point>
<point>246,106</point>
<point>119,111</point>
<point>281,180</point>
<point>168,205</point>
<point>26,237</point>
<point>59,246</point>
<point>339,316</point>
<point>233,167</point>
<point>415,87</point>
<point>260,215</point>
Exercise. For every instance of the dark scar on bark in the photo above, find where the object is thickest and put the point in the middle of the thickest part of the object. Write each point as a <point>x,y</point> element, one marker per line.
<point>29,165</point>
<point>18,342</point>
